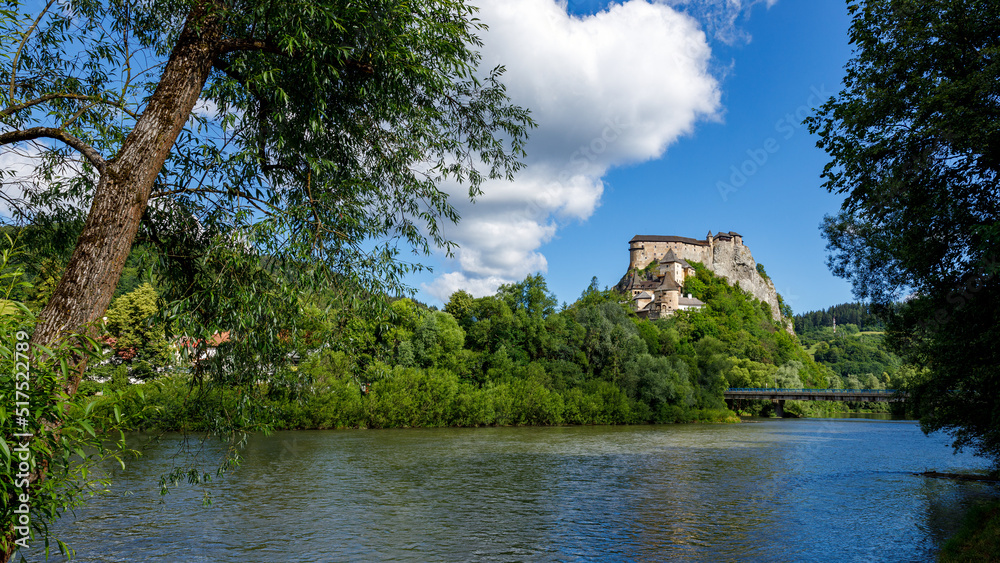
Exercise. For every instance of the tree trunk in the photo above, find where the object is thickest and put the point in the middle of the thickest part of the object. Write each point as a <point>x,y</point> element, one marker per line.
<point>94,269</point>
<point>85,290</point>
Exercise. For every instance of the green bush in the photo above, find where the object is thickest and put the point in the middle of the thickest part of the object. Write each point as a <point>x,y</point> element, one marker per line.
<point>119,378</point>
<point>525,402</point>
<point>580,408</point>
<point>472,406</point>
<point>412,397</point>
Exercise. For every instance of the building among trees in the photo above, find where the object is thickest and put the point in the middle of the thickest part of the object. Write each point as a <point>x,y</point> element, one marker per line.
<point>657,291</point>
<point>659,266</point>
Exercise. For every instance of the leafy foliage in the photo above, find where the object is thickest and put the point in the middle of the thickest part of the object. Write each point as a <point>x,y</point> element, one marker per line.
<point>914,143</point>
<point>44,427</point>
<point>133,336</point>
<point>511,359</point>
<point>319,151</point>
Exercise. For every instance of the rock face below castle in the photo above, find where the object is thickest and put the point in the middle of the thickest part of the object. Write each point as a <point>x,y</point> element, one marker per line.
<point>724,254</point>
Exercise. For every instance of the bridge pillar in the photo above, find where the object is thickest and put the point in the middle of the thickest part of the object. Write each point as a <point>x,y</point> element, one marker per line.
<point>779,408</point>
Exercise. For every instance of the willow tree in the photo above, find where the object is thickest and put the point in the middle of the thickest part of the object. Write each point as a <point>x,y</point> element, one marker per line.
<point>260,144</point>
<point>914,143</point>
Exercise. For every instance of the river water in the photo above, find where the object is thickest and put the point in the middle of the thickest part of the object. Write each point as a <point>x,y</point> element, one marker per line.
<point>775,490</point>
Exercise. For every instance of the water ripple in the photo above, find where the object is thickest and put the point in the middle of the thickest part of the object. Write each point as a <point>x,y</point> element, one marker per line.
<point>793,490</point>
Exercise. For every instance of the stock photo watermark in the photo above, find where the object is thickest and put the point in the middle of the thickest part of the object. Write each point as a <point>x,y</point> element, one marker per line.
<point>758,157</point>
<point>587,154</point>
<point>20,453</point>
<point>582,159</point>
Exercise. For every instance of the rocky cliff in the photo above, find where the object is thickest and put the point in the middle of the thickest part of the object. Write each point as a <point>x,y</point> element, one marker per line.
<point>735,263</point>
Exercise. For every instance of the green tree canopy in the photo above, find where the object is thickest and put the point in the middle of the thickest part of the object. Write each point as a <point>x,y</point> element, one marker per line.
<point>134,337</point>
<point>914,145</point>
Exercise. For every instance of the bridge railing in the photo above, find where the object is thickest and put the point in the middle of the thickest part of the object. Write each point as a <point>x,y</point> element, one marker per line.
<point>817,391</point>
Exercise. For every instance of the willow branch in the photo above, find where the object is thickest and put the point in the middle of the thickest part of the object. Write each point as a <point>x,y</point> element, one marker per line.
<point>254,201</point>
<point>89,152</point>
<point>24,40</point>
<point>55,96</point>
<point>77,115</point>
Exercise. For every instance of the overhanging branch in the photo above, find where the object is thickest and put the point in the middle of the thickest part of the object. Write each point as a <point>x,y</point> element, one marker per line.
<point>83,148</point>
<point>65,96</point>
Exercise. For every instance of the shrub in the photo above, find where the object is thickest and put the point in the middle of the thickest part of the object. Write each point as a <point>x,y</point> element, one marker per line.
<point>411,397</point>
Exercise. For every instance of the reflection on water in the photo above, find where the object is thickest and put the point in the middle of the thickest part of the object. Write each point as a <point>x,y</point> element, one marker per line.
<point>872,415</point>
<point>778,490</point>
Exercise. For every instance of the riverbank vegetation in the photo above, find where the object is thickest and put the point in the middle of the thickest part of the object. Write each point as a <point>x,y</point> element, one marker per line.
<point>506,359</point>
<point>979,538</point>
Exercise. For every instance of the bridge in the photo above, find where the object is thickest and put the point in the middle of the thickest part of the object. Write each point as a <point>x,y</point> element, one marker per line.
<point>779,396</point>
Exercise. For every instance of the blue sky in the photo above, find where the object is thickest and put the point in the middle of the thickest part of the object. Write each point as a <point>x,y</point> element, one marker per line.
<point>765,65</point>
<point>795,48</point>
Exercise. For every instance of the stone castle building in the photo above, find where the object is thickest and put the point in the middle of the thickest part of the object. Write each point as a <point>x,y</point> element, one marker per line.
<point>657,291</point>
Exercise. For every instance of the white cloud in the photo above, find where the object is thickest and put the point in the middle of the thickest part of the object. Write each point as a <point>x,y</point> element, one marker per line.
<point>17,168</point>
<point>21,178</point>
<point>206,108</point>
<point>449,283</point>
<point>613,88</point>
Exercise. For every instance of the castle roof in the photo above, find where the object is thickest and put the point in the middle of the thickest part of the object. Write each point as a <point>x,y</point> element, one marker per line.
<point>690,301</point>
<point>669,284</point>
<point>670,257</point>
<point>659,238</point>
<point>643,295</point>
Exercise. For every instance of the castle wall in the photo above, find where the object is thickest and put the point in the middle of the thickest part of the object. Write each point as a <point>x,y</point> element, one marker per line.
<point>642,253</point>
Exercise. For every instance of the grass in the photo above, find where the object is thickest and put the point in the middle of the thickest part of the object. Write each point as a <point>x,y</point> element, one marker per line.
<point>811,350</point>
<point>978,539</point>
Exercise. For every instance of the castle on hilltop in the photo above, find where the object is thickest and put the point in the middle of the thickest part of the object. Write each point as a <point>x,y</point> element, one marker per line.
<point>658,266</point>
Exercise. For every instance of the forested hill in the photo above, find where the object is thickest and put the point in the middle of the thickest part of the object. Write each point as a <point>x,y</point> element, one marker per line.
<point>514,358</point>
<point>856,353</point>
<point>857,314</point>
<point>510,358</point>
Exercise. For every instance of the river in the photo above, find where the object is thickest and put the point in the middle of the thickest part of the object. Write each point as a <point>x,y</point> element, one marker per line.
<point>773,490</point>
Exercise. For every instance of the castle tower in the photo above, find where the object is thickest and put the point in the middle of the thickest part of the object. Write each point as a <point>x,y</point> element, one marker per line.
<point>635,247</point>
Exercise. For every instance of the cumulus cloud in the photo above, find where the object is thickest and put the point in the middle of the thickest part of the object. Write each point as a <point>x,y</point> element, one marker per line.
<point>613,88</point>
